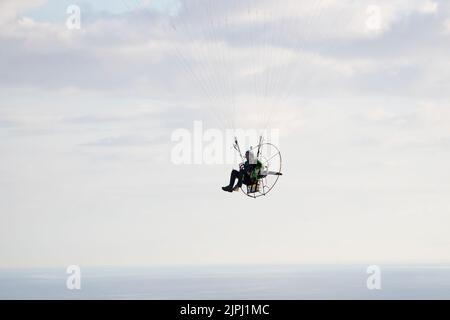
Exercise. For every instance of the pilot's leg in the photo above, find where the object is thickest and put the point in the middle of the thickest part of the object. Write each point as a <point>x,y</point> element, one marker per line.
<point>240,178</point>
<point>234,175</point>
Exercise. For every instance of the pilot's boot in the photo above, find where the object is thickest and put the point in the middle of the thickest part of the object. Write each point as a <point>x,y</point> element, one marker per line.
<point>227,189</point>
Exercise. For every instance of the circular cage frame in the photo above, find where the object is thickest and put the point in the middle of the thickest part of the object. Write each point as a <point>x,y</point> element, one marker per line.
<point>262,193</point>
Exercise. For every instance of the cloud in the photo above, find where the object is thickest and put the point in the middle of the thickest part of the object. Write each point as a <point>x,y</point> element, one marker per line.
<point>6,123</point>
<point>86,117</point>
<point>124,141</point>
<point>11,10</point>
<point>51,57</point>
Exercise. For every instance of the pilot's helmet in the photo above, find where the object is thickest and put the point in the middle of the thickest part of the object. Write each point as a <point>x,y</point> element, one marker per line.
<point>250,157</point>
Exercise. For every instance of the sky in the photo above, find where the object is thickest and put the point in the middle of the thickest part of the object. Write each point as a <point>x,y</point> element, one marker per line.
<point>358,92</point>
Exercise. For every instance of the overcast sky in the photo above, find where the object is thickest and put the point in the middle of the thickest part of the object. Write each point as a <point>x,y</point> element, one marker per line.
<point>86,118</point>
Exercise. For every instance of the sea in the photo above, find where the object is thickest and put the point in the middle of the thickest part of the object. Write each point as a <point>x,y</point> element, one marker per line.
<point>290,282</point>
